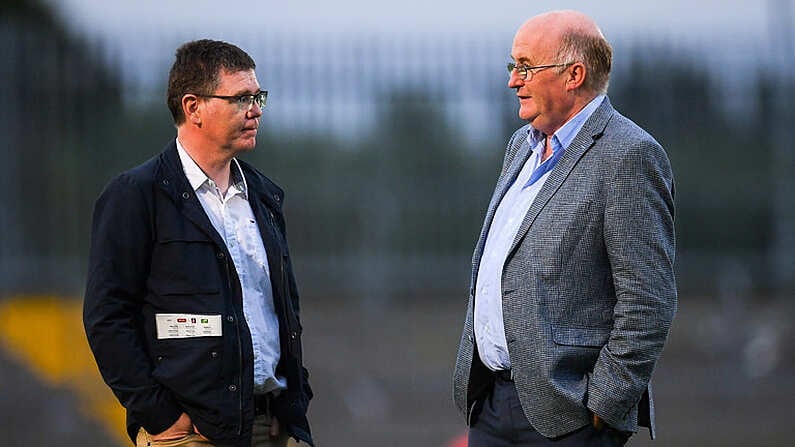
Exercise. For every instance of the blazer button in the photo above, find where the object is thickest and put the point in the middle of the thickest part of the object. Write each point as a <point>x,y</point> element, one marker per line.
<point>220,255</point>
<point>159,358</point>
<point>213,354</point>
<point>232,388</point>
<point>276,197</point>
<point>165,182</point>
<point>230,318</point>
<point>294,335</point>
<point>185,195</point>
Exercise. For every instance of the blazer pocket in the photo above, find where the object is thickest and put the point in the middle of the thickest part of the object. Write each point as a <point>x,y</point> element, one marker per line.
<point>579,336</point>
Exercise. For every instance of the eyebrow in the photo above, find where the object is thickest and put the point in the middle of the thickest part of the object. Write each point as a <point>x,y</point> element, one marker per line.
<point>243,92</point>
<point>523,60</point>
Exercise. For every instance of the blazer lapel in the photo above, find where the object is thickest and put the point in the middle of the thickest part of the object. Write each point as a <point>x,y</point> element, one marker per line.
<point>507,180</point>
<point>503,184</point>
<point>591,131</point>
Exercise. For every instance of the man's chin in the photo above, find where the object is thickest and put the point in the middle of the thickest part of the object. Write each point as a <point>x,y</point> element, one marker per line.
<point>242,149</point>
<point>527,115</point>
<point>248,145</point>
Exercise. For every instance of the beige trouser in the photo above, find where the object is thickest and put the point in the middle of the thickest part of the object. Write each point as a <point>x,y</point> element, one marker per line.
<point>144,439</point>
<point>261,437</point>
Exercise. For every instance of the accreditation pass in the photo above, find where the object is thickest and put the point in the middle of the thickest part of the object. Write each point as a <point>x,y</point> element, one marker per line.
<point>187,326</point>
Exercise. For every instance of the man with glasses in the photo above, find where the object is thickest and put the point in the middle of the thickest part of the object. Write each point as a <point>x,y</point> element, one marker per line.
<point>573,288</point>
<point>191,306</point>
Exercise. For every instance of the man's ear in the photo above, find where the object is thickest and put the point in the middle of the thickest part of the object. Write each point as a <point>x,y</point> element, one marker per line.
<point>191,108</point>
<point>576,74</point>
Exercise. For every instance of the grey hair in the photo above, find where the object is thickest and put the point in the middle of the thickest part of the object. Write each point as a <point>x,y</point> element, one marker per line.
<point>594,52</point>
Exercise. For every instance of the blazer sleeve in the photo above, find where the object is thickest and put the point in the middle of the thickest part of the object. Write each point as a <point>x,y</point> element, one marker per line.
<point>640,245</point>
<point>121,246</point>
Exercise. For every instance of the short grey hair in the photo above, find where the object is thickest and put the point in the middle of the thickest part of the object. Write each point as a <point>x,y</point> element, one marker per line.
<point>594,52</point>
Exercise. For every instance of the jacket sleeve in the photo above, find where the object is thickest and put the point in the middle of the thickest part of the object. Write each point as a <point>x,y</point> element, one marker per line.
<point>121,246</point>
<point>294,302</point>
<point>640,245</point>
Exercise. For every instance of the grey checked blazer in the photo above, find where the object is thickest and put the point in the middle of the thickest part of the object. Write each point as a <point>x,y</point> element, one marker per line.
<point>588,288</point>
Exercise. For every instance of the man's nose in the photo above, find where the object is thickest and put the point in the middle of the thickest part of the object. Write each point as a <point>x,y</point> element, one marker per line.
<point>514,80</point>
<point>254,111</point>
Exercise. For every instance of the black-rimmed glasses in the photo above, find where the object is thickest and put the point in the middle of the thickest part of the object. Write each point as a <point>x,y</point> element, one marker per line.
<point>245,101</point>
<point>526,72</point>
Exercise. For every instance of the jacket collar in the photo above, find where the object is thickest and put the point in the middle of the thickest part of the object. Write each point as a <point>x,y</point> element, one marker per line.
<point>197,177</point>
<point>171,178</point>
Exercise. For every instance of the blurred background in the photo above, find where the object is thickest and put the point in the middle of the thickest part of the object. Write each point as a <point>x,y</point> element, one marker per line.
<point>386,125</point>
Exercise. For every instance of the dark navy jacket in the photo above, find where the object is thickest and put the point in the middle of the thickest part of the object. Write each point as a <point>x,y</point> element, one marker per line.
<point>154,250</point>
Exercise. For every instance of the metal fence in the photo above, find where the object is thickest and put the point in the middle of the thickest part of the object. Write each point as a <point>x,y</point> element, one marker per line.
<point>388,147</point>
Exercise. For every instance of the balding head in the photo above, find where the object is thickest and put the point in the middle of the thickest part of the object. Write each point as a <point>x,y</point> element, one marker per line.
<point>556,23</point>
<point>572,36</point>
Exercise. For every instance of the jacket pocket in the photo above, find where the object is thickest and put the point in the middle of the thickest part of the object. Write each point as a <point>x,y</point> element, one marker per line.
<point>185,260</point>
<point>185,266</point>
<point>578,336</point>
<point>190,367</point>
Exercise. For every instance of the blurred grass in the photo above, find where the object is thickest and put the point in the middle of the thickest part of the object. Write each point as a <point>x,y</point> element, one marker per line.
<point>46,334</point>
<point>382,372</point>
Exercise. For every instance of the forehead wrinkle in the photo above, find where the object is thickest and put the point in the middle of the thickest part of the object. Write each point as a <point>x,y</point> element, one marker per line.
<point>526,49</point>
<point>529,61</point>
<point>526,59</point>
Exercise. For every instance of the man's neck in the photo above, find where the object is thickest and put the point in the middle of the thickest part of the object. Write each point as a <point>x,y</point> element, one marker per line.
<point>580,102</point>
<point>216,167</point>
<point>547,148</point>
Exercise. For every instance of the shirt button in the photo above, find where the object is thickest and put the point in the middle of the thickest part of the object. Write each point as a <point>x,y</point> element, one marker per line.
<point>232,388</point>
<point>230,318</point>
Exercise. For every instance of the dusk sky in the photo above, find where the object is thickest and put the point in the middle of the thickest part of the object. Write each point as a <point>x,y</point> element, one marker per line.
<point>686,18</point>
<point>731,38</point>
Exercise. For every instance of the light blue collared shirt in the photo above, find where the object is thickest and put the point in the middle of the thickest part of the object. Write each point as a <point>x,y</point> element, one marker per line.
<point>233,219</point>
<point>489,326</point>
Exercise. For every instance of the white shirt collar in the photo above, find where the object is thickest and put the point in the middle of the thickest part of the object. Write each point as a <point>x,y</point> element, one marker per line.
<point>197,177</point>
